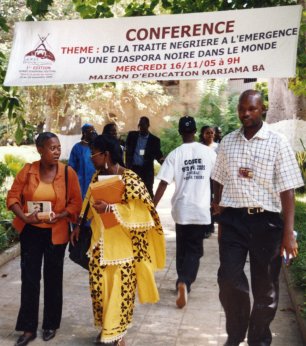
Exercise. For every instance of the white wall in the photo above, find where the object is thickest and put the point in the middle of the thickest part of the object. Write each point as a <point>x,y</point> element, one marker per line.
<point>294,130</point>
<point>67,142</point>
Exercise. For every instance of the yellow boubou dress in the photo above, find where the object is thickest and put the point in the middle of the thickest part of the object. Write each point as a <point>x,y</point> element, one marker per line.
<point>123,257</point>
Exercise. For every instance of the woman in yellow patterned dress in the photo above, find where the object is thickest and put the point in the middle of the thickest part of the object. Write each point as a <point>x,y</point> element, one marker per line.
<point>125,255</point>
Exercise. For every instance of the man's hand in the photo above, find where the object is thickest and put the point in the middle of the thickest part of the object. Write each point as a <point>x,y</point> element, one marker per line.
<point>289,244</point>
<point>162,186</point>
<point>289,248</point>
<point>216,209</point>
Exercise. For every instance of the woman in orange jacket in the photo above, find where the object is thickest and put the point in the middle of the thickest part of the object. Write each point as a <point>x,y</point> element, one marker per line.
<point>43,236</point>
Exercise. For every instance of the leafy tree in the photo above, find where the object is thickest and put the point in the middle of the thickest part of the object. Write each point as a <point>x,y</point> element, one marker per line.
<point>170,138</point>
<point>298,84</point>
<point>218,107</point>
<point>13,100</point>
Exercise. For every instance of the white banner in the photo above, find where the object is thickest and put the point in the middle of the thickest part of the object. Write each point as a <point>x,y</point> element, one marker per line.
<point>257,43</point>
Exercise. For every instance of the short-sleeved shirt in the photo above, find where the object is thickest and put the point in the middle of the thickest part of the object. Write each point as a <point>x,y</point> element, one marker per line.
<point>254,172</point>
<point>190,167</point>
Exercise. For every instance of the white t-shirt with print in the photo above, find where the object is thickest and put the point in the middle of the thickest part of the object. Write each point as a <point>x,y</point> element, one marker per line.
<point>190,167</point>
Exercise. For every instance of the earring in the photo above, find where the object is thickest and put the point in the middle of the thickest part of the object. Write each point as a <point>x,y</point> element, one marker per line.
<point>106,165</point>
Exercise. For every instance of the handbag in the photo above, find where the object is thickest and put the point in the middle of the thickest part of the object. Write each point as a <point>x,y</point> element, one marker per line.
<point>78,252</point>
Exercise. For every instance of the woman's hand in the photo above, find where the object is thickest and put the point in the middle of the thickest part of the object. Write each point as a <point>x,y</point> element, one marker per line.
<point>32,218</point>
<point>100,206</point>
<point>74,236</point>
<point>55,217</point>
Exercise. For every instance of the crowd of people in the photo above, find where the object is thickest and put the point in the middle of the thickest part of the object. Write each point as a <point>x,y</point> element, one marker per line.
<point>232,181</point>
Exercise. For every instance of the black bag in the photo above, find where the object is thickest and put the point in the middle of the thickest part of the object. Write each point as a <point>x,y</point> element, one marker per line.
<point>77,253</point>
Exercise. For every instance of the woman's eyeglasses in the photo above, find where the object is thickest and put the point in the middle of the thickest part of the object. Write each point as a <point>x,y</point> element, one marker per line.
<point>93,155</point>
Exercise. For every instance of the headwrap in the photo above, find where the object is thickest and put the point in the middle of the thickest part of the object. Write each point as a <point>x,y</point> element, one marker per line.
<point>86,126</point>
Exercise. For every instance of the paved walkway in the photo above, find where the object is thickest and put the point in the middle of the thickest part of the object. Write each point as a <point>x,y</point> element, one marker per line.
<point>200,323</point>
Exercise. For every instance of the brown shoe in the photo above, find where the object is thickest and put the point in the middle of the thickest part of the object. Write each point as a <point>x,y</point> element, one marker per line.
<point>182,295</point>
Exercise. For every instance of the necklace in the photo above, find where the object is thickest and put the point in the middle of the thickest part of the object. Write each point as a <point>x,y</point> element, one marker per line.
<point>117,170</point>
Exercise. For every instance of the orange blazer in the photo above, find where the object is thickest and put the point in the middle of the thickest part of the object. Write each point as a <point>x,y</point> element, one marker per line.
<point>24,186</point>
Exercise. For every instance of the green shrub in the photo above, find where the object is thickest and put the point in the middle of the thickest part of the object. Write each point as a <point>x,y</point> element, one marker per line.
<point>301,159</point>
<point>4,173</point>
<point>156,168</point>
<point>8,236</point>
<point>4,213</point>
<point>298,267</point>
<point>170,138</point>
<point>14,163</point>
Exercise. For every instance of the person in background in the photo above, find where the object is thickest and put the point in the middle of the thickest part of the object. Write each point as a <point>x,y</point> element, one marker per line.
<point>207,135</point>
<point>189,166</point>
<point>255,175</point>
<point>43,240</point>
<point>79,158</point>
<point>218,134</point>
<point>142,148</point>
<point>110,129</point>
<point>132,249</point>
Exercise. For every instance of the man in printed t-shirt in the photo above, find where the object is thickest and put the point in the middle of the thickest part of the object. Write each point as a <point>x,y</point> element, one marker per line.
<point>189,166</point>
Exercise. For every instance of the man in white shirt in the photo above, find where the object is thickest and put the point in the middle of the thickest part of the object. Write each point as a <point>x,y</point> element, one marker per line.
<point>189,166</point>
<point>254,179</point>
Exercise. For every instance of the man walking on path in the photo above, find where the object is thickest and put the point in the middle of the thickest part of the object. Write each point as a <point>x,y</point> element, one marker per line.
<point>254,179</point>
<point>189,166</point>
<point>80,157</point>
<point>142,148</point>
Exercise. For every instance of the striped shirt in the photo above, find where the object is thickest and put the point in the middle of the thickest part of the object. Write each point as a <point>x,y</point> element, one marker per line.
<point>269,162</point>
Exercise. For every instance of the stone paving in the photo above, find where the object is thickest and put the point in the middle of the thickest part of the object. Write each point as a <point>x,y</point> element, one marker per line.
<point>200,323</point>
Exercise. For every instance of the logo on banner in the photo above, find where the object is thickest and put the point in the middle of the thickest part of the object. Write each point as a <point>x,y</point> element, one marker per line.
<point>38,63</point>
<point>40,55</point>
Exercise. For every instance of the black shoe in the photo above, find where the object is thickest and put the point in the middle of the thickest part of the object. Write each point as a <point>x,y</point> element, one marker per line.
<point>24,339</point>
<point>48,334</point>
<point>230,342</point>
<point>98,340</point>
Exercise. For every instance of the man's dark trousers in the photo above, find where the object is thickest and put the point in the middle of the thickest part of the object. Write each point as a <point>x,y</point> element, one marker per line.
<point>260,236</point>
<point>146,175</point>
<point>189,250</point>
<point>35,246</point>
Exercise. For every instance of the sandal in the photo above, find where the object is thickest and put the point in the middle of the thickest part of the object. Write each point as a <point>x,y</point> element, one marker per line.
<point>119,342</point>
